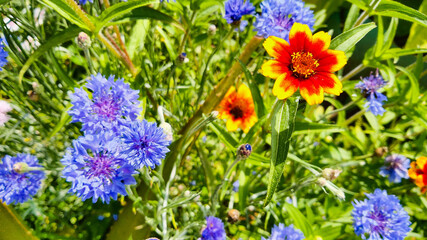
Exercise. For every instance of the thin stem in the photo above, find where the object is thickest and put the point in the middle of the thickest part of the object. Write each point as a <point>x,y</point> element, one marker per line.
<point>89,60</point>
<point>334,112</point>
<point>353,72</point>
<point>372,6</point>
<point>354,117</point>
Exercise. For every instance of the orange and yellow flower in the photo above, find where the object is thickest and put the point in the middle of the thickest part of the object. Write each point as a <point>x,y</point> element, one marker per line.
<point>418,173</point>
<point>238,108</point>
<point>305,63</point>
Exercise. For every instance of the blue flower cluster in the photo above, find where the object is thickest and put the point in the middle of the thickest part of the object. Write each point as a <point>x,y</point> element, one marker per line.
<point>214,229</point>
<point>381,217</point>
<point>115,144</point>
<point>3,53</point>
<point>285,233</point>
<point>235,9</point>
<point>20,178</point>
<point>395,167</point>
<point>278,16</point>
<point>370,86</point>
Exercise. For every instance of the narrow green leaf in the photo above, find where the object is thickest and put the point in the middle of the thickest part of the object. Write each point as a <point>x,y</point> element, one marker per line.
<point>352,16</point>
<point>66,11</point>
<point>347,40</point>
<point>282,126</point>
<point>418,33</point>
<point>118,10</point>
<point>168,43</point>
<point>256,95</point>
<point>300,220</point>
<point>12,227</point>
<point>415,85</point>
<point>398,52</point>
<point>395,9</point>
<point>389,36</point>
<point>59,38</point>
<point>308,127</point>
<point>224,136</point>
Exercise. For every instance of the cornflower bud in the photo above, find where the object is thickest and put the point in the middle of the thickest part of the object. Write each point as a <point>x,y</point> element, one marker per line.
<point>84,40</point>
<point>244,151</point>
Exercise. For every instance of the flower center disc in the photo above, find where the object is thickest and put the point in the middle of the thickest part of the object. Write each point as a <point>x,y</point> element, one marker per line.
<point>303,64</point>
<point>237,112</point>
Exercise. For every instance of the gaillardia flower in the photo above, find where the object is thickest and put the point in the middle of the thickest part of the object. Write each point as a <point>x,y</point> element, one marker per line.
<point>305,63</point>
<point>96,168</point>
<point>214,229</point>
<point>380,217</point>
<point>396,167</point>
<point>369,86</point>
<point>238,108</point>
<point>278,17</point>
<point>418,173</point>
<point>235,9</point>
<point>111,105</point>
<point>3,54</point>
<point>20,178</point>
<point>285,233</point>
<point>145,144</point>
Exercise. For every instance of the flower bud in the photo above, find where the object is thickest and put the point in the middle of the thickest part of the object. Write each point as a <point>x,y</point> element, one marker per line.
<point>233,216</point>
<point>182,58</point>
<point>381,151</point>
<point>167,129</point>
<point>84,40</point>
<point>322,181</point>
<point>244,151</point>
<point>331,174</point>
<point>212,29</point>
<point>21,167</point>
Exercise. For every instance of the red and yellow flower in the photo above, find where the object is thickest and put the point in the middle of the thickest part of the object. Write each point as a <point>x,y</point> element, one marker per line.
<point>238,108</point>
<point>418,173</point>
<point>305,63</point>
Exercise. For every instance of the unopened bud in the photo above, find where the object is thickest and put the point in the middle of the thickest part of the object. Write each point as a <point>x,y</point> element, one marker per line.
<point>167,130</point>
<point>322,181</point>
<point>244,151</point>
<point>331,174</point>
<point>212,29</point>
<point>381,151</point>
<point>182,58</point>
<point>84,40</point>
<point>21,167</point>
<point>328,139</point>
<point>214,114</point>
<point>233,215</point>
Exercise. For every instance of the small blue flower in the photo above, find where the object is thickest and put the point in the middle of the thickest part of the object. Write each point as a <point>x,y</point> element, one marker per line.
<point>278,16</point>
<point>19,186</point>
<point>396,167</point>
<point>144,144</point>
<point>236,185</point>
<point>3,53</point>
<point>370,86</point>
<point>112,104</point>
<point>285,233</point>
<point>214,229</point>
<point>83,2</point>
<point>235,9</point>
<point>381,217</point>
<point>96,168</point>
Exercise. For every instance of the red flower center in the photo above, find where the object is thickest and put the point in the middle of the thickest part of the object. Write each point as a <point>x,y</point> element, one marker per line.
<point>303,64</point>
<point>237,112</point>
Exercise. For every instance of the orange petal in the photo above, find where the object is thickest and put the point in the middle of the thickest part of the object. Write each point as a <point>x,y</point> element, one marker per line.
<point>320,42</point>
<point>329,82</point>
<point>273,69</point>
<point>285,86</point>
<point>311,92</point>
<point>421,161</point>
<point>331,61</point>
<point>278,48</point>
<point>300,37</point>
<point>232,125</point>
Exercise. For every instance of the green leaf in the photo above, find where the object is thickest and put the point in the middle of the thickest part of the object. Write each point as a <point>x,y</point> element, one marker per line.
<point>118,10</point>
<point>388,37</point>
<point>347,40</point>
<point>415,86</point>
<point>418,33</point>
<point>66,11</point>
<point>308,127</point>
<point>282,126</point>
<point>224,136</point>
<point>12,227</point>
<point>396,9</point>
<point>299,220</point>
<point>398,52</point>
<point>59,38</point>
<point>256,95</point>
<point>352,16</point>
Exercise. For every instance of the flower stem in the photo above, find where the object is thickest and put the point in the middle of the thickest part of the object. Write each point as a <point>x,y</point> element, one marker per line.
<point>372,6</point>
<point>354,117</point>
<point>353,72</point>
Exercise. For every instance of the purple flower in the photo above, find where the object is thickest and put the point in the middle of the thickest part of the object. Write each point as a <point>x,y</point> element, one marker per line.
<point>20,178</point>
<point>381,217</point>
<point>236,185</point>
<point>235,9</point>
<point>278,16</point>
<point>82,2</point>
<point>112,104</point>
<point>214,229</point>
<point>144,144</point>
<point>285,233</point>
<point>96,168</point>
<point>396,167</point>
<point>3,54</point>
<point>369,86</point>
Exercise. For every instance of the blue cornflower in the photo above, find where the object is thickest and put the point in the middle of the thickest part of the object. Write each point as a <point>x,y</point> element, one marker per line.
<point>214,229</point>
<point>396,167</point>
<point>112,104</point>
<point>278,16</point>
<point>285,233</point>
<point>236,185</point>
<point>20,178</point>
<point>82,2</point>
<point>235,9</point>
<point>144,144</point>
<point>96,168</point>
<point>3,53</point>
<point>370,86</point>
<point>381,217</point>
